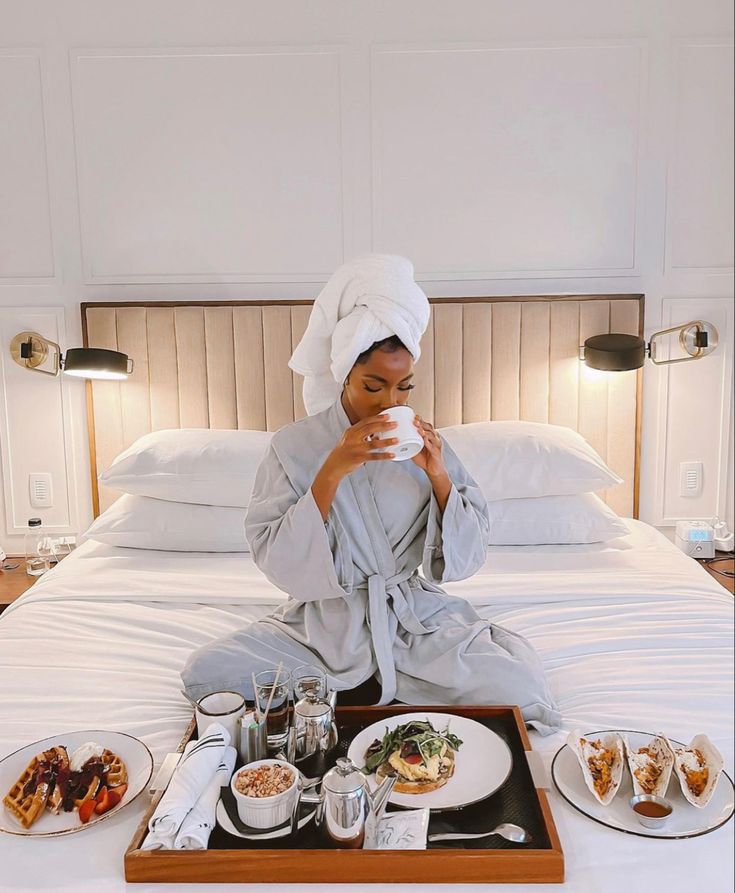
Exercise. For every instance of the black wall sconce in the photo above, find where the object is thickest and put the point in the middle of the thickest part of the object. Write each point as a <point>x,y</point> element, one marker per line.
<point>616,352</point>
<point>32,351</point>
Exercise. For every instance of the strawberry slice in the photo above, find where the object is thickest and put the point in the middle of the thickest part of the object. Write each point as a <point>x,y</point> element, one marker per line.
<point>113,798</point>
<point>121,789</point>
<point>108,797</point>
<point>86,810</point>
<point>102,801</point>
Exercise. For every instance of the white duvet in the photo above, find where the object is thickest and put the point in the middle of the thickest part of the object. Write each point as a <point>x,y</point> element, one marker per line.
<point>632,633</point>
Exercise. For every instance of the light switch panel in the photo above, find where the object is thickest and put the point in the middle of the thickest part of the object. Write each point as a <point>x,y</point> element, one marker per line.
<point>42,496</point>
<point>690,478</point>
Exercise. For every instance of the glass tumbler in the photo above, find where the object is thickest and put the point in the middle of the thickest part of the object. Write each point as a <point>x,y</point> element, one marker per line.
<point>309,681</point>
<point>277,721</point>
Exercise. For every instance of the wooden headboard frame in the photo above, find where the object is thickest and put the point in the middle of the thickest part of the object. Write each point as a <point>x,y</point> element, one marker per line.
<point>206,364</point>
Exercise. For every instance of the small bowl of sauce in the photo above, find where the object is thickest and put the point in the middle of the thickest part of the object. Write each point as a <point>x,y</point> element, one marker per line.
<point>651,811</point>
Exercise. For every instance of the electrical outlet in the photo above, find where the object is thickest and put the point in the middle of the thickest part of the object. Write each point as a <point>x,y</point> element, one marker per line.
<point>690,478</point>
<point>42,495</point>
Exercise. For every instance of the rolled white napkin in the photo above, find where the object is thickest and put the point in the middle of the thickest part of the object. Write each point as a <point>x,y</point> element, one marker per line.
<point>200,820</point>
<point>198,765</point>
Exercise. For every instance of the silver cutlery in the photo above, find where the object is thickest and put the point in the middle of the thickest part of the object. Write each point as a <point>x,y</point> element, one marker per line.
<point>510,832</point>
<point>306,782</point>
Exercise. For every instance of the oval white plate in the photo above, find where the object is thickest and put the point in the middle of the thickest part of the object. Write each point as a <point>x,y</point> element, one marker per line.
<point>685,821</point>
<point>225,822</point>
<point>482,764</point>
<point>136,756</point>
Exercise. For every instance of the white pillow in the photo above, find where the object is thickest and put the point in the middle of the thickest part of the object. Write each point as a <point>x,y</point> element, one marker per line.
<point>139,522</point>
<point>193,465</point>
<point>545,520</point>
<point>514,460</point>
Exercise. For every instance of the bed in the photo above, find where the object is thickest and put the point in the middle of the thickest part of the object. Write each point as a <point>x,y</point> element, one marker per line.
<point>631,632</point>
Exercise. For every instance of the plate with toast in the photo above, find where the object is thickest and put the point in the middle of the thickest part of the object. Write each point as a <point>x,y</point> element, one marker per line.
<point>442,760</point>
<point>68,782</point>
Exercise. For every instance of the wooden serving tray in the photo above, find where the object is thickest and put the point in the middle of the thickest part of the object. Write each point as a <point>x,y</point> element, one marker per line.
<point>303,859</point>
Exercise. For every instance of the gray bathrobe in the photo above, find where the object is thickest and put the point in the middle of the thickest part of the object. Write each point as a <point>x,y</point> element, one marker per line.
<point>357,604</point>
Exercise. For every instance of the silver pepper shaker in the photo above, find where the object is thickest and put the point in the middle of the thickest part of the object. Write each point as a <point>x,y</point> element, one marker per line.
<point>244,748</point>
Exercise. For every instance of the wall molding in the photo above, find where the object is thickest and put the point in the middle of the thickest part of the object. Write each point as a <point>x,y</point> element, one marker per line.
<point>78,57</point>
<point>31,277</point>
<point>677,49</point>
<point>438,48</point>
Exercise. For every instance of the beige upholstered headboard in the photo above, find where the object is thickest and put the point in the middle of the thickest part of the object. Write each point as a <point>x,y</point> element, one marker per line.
<point>224,365</point>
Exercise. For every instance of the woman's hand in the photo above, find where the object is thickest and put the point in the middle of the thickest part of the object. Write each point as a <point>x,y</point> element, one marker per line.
<point>430,458</point>
<point>360,444</point>
<point>357,445</point>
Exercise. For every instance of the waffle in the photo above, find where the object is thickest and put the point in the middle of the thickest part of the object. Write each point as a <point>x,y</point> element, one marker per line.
<point>28,807</point>
<point>56,797</point>
<point>116,774</point>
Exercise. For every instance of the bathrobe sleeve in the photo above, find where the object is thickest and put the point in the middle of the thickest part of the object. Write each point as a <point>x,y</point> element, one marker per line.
<point>456,539</point>
<point>297,551</point>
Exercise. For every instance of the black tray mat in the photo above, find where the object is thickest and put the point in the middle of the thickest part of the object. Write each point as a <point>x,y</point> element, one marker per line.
<point>515,802</point>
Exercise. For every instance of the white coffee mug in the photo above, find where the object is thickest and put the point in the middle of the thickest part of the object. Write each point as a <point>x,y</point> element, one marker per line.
<point>410,441</point>
<point>224,707</point>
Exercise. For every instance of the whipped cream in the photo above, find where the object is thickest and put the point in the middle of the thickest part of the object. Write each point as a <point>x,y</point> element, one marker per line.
<point>83,753</point>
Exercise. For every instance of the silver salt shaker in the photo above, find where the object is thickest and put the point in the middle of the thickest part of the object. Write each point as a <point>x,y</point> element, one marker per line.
<point>244,748</point>
<point>253,738</point>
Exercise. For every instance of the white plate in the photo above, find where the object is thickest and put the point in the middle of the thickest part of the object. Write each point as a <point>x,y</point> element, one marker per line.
<point>225,822</point>
<point>482,763</point>
<point>136,756</point>
<point>685,821</point>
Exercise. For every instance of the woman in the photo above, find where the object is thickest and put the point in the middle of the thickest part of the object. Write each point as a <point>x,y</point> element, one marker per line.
<point>342,529</point>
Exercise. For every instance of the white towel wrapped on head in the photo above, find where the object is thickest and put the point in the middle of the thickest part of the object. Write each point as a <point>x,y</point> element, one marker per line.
<point>366,300</point>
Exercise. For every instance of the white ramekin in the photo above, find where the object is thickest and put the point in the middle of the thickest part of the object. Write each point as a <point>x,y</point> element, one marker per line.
<point>266,812</point>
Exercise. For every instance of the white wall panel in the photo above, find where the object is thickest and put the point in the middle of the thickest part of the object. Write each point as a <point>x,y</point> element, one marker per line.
<point>465,185</point>
<point>694,425</point>
<point>700,206</point>
<point>25,218</point>
<point>35,421</point>
<point>208,165</point>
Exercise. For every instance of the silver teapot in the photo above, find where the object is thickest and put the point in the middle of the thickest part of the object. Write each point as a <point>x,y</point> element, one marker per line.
<point>348,812</point>
<point>313,720</point>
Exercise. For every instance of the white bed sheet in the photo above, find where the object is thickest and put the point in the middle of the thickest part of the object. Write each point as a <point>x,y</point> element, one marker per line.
<point>632,634</point>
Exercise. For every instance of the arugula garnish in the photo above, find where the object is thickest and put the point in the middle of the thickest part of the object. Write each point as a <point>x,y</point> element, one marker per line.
<point>422,734</point>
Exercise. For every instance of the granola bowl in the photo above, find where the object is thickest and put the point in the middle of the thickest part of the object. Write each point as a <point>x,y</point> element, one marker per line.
<point>266,792</point>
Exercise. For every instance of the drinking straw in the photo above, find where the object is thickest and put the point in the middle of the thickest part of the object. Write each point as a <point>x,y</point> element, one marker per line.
<point>273,689</point>
<point>255,698</point>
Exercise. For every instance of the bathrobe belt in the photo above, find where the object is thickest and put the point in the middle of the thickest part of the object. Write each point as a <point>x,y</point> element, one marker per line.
<point>387,609</point>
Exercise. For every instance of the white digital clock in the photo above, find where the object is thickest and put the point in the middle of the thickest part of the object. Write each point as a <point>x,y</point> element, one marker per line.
<point>696,538</point>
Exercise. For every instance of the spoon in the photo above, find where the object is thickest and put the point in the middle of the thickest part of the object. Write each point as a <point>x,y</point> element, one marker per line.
<point>506,830</point>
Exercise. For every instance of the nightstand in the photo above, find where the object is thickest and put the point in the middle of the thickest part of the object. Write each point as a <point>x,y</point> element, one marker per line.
<point>723,562</point>
<point>14,582</point>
